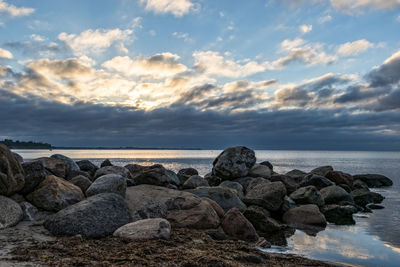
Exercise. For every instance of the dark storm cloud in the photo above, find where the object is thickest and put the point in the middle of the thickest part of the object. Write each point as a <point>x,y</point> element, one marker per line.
<point>35,49</point>
<point>387,74</point>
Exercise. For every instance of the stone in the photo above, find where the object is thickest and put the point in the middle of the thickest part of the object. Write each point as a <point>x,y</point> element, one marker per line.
<point>87,166</point>
<point>95,217</point>
<point>268,164</point>
<point>374,180</point>
<point>35,173</point>
<point>244,181</point>
<point>124,172</point>
<point>82,182</point>
<point>261,219</point>
<point>18,157</point>
<point>156,175</point>
<point>373,206</point>
<point>146,229</point>
<point>73,174</point>
<point>234,162</point>
<point>316,180</point>
<point>135,168</point>
<point>194,182</point>
<point>288,181</point>
<point>335,195</point>
<point>213,180</point>
<point>259,170</point>
<point>364,197</point>
<point>106,163</point>
<point>18,198</point>
<point>10,212</point>
<point>12,177</point>
<point>321,170</point>
<point>297,175</point>
<point>234,186</point>
<point>71,165</point>
<point>237,226</point>
<point>358,184</point>
<point>29,211</point>
<point>225,197</point>
<point>267,195</point>
<point>186,173</point>
<point>54,194</point>
<point>340,178</point>
<point>55,166</point>
<point>340,215</point>
<point>345,187</point>
<point>255,182</point>
<point>110,183</point>
<point>307,195</point>
<point>287,204</point>
<point>305,216</point>
<point>216,207</point>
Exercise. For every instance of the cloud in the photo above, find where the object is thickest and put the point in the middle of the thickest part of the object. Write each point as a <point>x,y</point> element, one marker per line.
<point>304,29</point>
<point>182,35</point>
<point>354,48</point>
<point>5,71</point>
<point>324,19</point>
<point>14,11</point>
<point>96,41</point>
<point>5,54</point>
<point>176,7</point>
<point>37,48</point>
<point>386,74</point>
<point>358,6</point>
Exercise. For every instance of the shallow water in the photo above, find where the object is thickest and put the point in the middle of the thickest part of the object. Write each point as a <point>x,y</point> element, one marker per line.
<point>373,241</point>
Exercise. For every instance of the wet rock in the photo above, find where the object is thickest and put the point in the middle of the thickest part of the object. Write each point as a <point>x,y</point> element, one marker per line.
<point>335,195</point>
<point>95,217</point>
<point>54,194</point>
<point>87,166</point>
<point>71,165</point>
<point>82,182</point>
<point>268,164</point>
<point>288,181</point>
<point>234,162</point>
<point>358,184</point>
<point>106,163</point>
<point>124,172</point>
<point>234,186</point>
<point>29,211</point>
<point>364,197</point>
<point>287,204</point>
<point>237,226</point>
<point>374,180</point>
<point>110,183</point>
<point>375,206</point>
<point>297,175</point>
<point>267,195</point>
<point>194,182</point>
<point>186,173</point>
<point>156,175</point>
<point>305,217</point>
<point>341,215</point>
<point>259,170</point>
<point>10,212</point>
<point>340,178</point>
<point>147,229</point>
<point>316,180</point>
<point>55,166</point>
<point>307,195</point>
<point>322,171</point>
<point>262,221</point>
<point>11,173</point>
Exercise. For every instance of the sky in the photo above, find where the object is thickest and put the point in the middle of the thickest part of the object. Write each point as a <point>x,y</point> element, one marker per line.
<point>268,74</point>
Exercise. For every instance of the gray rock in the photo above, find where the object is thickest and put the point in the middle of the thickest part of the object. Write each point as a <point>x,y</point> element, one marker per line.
<point>316,180</point>
<point>364,197</point>
<point>358,184</point>
<point>259,170</point>
<point>307,195</point>
<point>82,182</point>
<point>186,173</point>
<point>307,217</point>
<point>345,187</point>
<point>262,221</point>
<point>10,212</point>
<point>73,174</point>
<point>124,172</point>
<point>71,165</point>
<point>234,162</point>
<point>55,166</point>
<point>255,182</point>
<point>297,175</point>
<point>11,173</point>
<point>216,207</point>
<point>244,181</point>
<point>335,195</point>
<point>110,183</point>
<point>156,175</point>
<point>213,180</point>
<point>194,182</point>
<point>340,178</point>
<point>87,166</point>
<point>237,226</point>
<point>268,164</point>
<point>374,180</point>
<point>29,211</point>
<point>225,197</point>
<point>287,204</point>
<point>146,229</point>
<point>18,157</point>
<point>321,170</point>
<point>35,173</point>
<point>373,206</point>
<point>288,181</point>
<point>106,163</point>
<point>341,215</point>
<point>267,195</point>
<point>234,186</point>
<point>94,217</point>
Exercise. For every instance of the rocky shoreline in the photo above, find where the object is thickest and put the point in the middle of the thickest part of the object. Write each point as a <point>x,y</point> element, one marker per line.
<point>54,211</point>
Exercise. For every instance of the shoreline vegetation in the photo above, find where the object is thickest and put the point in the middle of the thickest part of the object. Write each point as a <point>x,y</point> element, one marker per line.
<point>57,211</point>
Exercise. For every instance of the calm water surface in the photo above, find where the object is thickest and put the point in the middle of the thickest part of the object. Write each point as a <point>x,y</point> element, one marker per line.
<point>373,241</point>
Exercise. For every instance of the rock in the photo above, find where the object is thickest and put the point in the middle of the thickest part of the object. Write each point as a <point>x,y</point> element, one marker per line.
<point>156,175</point>
<point>259,170</point>
<point>110,183</point>
<point>374,180</point>
<point>186,173</point>
<point>194,182</point>
<point>82,182</point>
<point>54,166</point>
<point>135,168</point>
<point>244,181</point>
<point>255,182</point>
<point>305,217</point>
<point>174,178</point>
<point>217,234</point>
<point>238,188</point>
<point>316,180</point>
<point>106,163</point>
<point>341,215</point>
<point>71,165</point>
<point>18,157</point>
<point>376,197</point>
<point>87,166</point>
<point>321,170</point>
<point>124,172</point>
<point>54,194</point>
<point>237,226</point>
<point>10,212</point>
<point>267,195</point>
<point>225,197</point>
<point>335,195</point>
<point>29,211</point>
<point>261,220</point>
<point>234,162</point>
<point>358,184</point>
<point>216,207</point>
<point>213,180</point>
<point>268,164</point>
<point>145,230</point>
<point>95,217</point>
<point>345,187</point>
<point>18,198</point>
<point>340,178</point>
<point>297,175</point>
<point>35,173</point>
<point>307,195</point>
<point>288,181</point>
<point>73,174</point>
<point>182,209</point>
<point>287,204</point>
<point>364,197</point>
<point>11,173</point>
<point>375,206</point>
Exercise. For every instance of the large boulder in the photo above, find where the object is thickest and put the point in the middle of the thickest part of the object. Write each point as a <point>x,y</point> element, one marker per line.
<point>124,172</point>
<point>259,170</point>
<point>186,173</point>
<point>18,157</point>
<point>238,188</point>
<point>268,164</point>
<point>363,197</point>
<point>54,194</point>
<point>29,211</point>
<point>322,170</point>
<point>267,195</point>
<point>307,195</point>
<point>288,181</point>
<point>73,174</point>
<point>225,197</point>
<point>71,165</point>
<point>336,195</point>
<point>358,184</point>
<point>35,173</point>
<point>10,212</point>
<point>146,229</point>
<point>55,166</point>
<point>82,182</point>
<point>95,217</point>
<point>304,217</point>
<point>297,175</point>
<point>316,180</point>
<point>156,175</point>
<point>194,182</point>
<point>340,178</point>
<point>262,221</point>
<point>237,226</point>
<point>11,173</point>
<point>87,166</point>
<point>216,207</point>
<point>106,163</point>
<point>110,183</point>
<point>234,162</point>
<point>213,180</point>
<point>341,215</point>
<point>244,181</point>
<point>374,180</point>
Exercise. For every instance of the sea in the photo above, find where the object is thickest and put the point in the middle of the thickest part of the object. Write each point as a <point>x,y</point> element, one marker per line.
<point>373,241</point>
